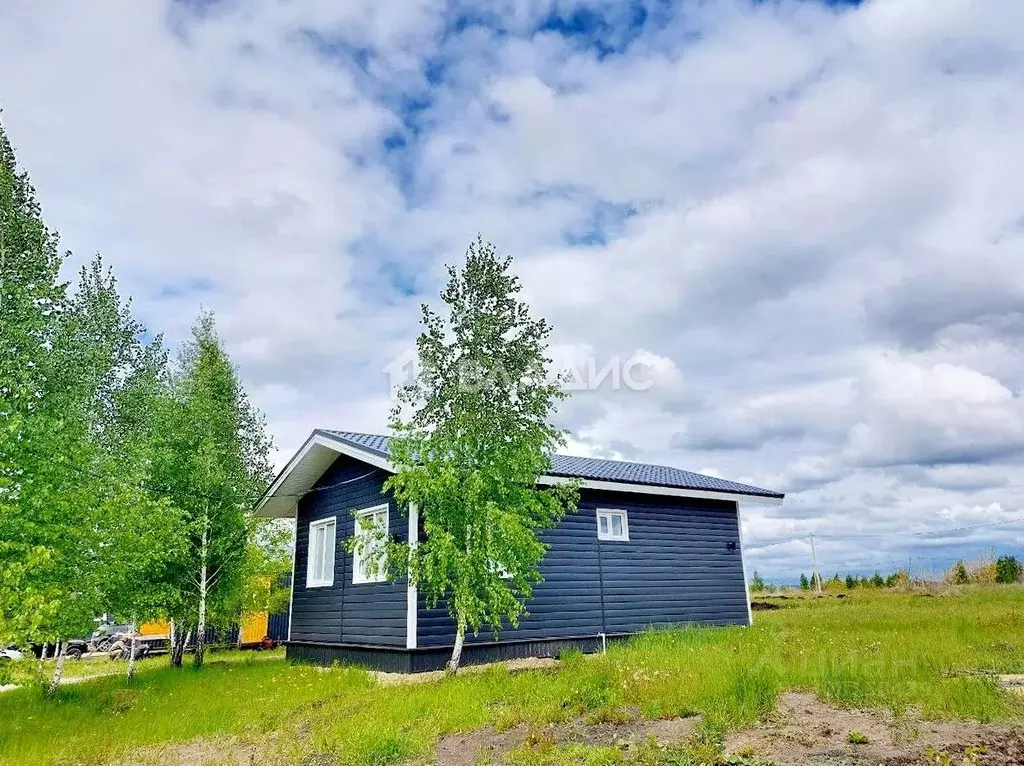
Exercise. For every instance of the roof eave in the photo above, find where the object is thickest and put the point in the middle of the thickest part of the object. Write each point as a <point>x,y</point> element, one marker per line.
<point>655,489</point>
<point>280,500</point>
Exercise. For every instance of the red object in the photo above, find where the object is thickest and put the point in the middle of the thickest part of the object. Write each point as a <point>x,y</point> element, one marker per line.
<point>267,643</point>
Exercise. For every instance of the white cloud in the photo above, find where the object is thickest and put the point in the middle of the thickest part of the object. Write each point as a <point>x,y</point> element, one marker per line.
<point>807,218</point>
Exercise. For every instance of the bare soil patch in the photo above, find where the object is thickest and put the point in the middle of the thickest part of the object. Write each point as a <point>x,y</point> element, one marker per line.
<point>513,666</point>
<point>202,752</point>
<point>807,732</point>
<point>488,746</point>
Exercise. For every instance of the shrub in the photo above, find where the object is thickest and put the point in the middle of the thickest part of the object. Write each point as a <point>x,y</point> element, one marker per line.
<point>833,585</point>
<point>958,575</point>
<point>757,583</point>
<point>877,580</point>
<point>1008,569</point>
<point>983,570</point>
<point>805,584</point>
<point>900,579</point>
<point>857,738</point>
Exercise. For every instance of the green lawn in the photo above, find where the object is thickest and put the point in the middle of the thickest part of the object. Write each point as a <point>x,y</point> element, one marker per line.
<point>869,650</point>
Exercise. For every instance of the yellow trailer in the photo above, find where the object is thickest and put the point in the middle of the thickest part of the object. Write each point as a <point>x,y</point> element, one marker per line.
<point>250,633</point>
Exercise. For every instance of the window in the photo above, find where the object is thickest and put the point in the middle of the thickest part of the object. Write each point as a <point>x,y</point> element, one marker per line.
<point>369,542</point>
<point>322,542</point>
<point>612,525</point>
<point>499,570</point>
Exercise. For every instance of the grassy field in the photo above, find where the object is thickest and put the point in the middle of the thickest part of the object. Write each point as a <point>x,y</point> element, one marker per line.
<point>894,651</point>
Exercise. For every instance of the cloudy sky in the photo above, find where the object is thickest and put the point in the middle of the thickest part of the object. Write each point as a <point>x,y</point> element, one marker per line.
<point>806,218</point>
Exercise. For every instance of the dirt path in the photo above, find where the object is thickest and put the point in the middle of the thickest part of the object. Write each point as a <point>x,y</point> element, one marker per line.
<point>487,746</point>
<point>63,682</point>
<point>807,732</point>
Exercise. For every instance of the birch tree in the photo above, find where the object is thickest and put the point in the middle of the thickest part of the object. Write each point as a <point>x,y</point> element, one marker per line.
<point>471,436</point>
<point>73,372</point>
<point>30,300</point>
<point>213,456</point>
<point>51,532</point>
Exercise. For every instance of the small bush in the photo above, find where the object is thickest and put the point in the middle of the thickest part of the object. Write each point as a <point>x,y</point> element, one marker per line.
<point>834,585</point>
<point>899,580</point>
<point>1008,570</point>
<point>857,738</point>
<point>958,575</point>
<point>982,570</point>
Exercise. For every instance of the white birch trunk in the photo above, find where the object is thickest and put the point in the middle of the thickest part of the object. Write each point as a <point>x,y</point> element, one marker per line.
<point>131,657</point>
<point>42,654</point>
<point>460,638</point>
<point>203,585</point>
<point>58,670</point>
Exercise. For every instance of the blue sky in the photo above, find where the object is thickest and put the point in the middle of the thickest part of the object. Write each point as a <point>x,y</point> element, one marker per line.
<point>805,217</point>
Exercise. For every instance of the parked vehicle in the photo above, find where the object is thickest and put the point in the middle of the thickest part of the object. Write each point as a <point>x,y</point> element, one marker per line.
<point>75,648</point>
<point>10,654</point>
<point>106,635</point>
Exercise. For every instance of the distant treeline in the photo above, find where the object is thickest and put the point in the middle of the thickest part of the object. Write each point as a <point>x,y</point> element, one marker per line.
<point>986,571</point>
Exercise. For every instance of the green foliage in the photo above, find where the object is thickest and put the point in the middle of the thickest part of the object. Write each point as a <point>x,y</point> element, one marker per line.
<point>77,529</point>
<point>210,456</point>
<point>471,437</point>
<point>857,738</point>
<point>851,582</point>
<point>757,583</point>
<point>112,467</point>
<point>1008,569</point>
<point>834,584</point>
<point>805,584</point>
<point>876,649</point>
<point>31,299</point>
<point>267,562</point>
<point>877,581</point>
<point>959,574</point>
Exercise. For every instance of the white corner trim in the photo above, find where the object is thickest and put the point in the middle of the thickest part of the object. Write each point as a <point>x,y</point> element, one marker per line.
<point>743,563</point>
<point>411,593</point>
<point>652,489</point>
<point>291,595</point>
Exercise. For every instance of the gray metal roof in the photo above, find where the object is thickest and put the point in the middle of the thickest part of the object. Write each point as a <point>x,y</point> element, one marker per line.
<point>594,468</point>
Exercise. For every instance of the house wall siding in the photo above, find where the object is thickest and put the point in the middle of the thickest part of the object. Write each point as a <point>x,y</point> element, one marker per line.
<point>676,568</point>
<point>567,603</point>
<point>371,614</point>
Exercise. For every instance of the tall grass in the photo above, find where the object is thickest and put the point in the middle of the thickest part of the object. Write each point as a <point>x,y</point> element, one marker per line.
<point>872,649</point>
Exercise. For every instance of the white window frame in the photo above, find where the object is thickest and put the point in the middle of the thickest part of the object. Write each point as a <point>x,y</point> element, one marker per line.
<point>610,536</point>
<point>499,570</point>
<point>311,580</point>
<point>358,577</point>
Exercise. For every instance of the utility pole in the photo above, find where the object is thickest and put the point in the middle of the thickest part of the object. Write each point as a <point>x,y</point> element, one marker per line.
<point>815,573</point>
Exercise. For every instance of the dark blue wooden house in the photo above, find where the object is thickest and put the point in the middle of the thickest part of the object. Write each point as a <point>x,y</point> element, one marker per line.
<point>649,546</point>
